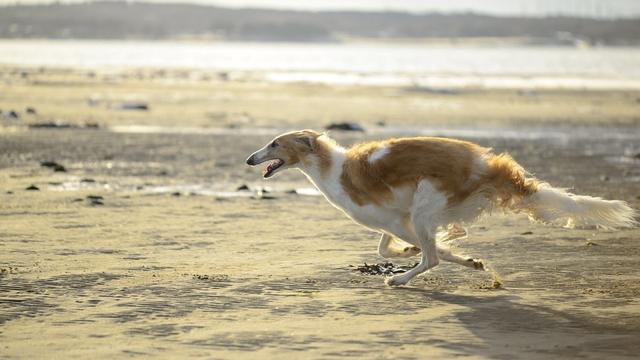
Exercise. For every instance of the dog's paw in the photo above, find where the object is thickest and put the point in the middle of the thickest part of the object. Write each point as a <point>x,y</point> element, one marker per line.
<point>397,280</point>
<point>411,251</point>
<point>476,264</point>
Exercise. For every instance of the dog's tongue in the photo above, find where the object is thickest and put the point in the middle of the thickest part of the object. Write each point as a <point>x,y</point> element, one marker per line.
<point>270,168</point>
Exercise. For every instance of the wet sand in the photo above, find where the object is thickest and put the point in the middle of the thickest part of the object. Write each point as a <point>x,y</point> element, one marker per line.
<point>174,261</point>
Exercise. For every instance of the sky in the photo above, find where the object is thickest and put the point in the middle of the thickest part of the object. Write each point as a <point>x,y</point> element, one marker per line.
<point>590,8</point>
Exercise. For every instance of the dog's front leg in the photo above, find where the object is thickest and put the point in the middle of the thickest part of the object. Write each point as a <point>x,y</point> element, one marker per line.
<point>428,260</point>
<point>426,212</point>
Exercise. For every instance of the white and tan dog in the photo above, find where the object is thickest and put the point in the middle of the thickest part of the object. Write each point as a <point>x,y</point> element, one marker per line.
<point>408,188</point>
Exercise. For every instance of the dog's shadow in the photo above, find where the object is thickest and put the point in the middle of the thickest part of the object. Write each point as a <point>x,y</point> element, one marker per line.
<point>503,323</point>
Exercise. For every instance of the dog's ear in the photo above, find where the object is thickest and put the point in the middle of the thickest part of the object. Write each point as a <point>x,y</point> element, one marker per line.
<point>307,141</point>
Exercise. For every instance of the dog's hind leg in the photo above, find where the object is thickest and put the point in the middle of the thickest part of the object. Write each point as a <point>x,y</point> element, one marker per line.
<point>444,253</point>
<point>426,212</point>
<point>386,248</point>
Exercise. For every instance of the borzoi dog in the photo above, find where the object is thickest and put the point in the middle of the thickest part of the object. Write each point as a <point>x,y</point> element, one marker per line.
<point>408,188</point>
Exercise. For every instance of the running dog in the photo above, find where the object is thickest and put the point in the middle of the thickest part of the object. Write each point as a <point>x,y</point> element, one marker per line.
<point>408,188</point>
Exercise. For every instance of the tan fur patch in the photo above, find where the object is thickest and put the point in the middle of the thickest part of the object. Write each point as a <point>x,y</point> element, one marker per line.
<point>451,165</point>
<point>447,163</point>
<point>509,180</point>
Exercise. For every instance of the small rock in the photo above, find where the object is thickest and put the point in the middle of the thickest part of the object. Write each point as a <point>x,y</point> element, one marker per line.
<point>527,233</point>
<point>243,187</point>
<point>13,115</point>
<point>48,164</point>
<point>591,243</point>
<point>262,196</point>
<point>345,126</point>
<point>52,125</point>
<point>77,200</point>
<point>96,202</point>
<point>53,165</point>
<point>94,197</point>
<point>30,110</point>
<point>32,188</point>
<point>137,106</point>
<point>87,180</point>
<point>9,192</point>
<point>177,193</point>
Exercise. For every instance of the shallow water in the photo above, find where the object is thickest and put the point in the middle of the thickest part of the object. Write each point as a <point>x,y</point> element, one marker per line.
<point>373,64</point>
<point>537,133</point>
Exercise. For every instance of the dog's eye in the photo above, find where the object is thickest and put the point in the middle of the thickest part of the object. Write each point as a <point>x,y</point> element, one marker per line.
<point>274,144</point>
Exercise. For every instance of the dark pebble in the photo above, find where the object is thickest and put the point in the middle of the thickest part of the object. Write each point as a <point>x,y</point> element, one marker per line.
<point>52,125</point>
<point>9,192</point>
<point>94,197</point>
<point>77,200</point>
<point>53,165</point>
<point>49,164</point>
<point>177,193</point>
<point>87,180</point>
<point>265,197</point>
<point>96,202</point>
<point>527,233</point>
<point>30,110</point>
<point>243,187</point>
<point>32,188</point>
<point>13,115</point>
<point>345,126</point>
<point>138,106</point>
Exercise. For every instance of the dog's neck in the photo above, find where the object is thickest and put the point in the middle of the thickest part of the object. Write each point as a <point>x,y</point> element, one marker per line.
<point>324,166</point>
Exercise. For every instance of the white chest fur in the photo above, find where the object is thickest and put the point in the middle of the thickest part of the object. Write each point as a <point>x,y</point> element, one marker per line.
<point>370,215</point>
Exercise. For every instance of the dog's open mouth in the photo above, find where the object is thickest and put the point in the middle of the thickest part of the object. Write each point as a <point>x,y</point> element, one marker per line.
<point>272,166</point>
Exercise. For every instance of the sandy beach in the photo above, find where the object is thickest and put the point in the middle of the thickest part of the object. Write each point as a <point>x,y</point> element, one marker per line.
<point>143,243</point>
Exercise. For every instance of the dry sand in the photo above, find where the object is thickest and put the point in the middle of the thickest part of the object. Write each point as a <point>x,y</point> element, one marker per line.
<point>204,274</point>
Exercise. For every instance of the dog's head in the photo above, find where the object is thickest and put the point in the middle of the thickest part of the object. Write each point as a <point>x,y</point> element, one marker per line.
<point>285,151</point>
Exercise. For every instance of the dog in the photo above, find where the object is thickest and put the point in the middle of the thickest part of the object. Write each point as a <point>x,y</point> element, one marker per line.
<point>408,188</point>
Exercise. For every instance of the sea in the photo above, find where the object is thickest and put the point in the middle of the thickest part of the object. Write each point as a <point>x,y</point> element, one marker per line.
<point>383,64</point>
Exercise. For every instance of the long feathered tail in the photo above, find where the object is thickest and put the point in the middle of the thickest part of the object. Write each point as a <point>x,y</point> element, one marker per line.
<point>547,204</point>
<point>553,205</point>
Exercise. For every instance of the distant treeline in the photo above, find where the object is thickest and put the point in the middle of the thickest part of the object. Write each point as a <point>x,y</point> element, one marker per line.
<point>119,20</point>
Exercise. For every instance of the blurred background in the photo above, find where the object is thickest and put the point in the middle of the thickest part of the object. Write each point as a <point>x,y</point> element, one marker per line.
<point>499,72</point>
<point>131,225</point>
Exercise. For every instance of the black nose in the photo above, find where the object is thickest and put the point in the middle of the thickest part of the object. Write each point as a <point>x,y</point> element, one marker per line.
<point>250,160</point>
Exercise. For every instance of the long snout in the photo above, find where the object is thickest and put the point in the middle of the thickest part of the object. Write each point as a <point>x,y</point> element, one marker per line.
<point>258,157</point>
<point>251,160</point>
